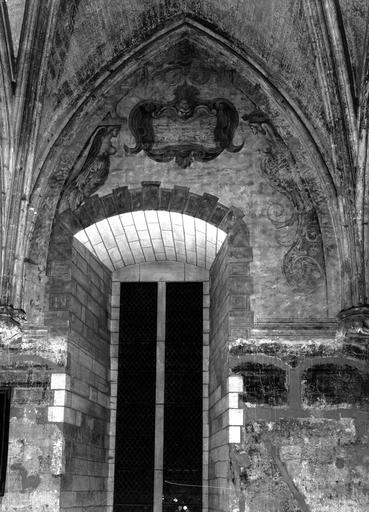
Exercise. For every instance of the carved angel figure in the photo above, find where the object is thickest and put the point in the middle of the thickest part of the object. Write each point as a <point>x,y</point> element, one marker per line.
<point>95,169</point>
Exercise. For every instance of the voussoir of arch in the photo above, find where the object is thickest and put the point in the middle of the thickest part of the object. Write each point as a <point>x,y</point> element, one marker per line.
<point>151,196</point>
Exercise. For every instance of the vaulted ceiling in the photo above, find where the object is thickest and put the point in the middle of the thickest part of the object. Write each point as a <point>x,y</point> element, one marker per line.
<point>150,236</point>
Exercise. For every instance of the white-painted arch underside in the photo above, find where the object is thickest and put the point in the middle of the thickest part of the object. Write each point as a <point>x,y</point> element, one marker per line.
<point>149,236</point>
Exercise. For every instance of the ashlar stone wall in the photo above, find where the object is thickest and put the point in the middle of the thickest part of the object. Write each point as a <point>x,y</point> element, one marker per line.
<point>60,405</point>
<point>86,431</point>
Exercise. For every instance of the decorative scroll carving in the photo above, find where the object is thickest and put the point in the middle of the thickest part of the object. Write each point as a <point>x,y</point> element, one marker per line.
<point>280,216</point>
<point>11,322</point>
<point>95,168</point>
<point>186,129</point>
<point>303,265</point>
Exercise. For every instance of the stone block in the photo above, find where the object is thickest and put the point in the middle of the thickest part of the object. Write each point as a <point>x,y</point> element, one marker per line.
<point>206,206</point>
<point>234,434</point>
<point>165,197</point>
<point>55,414</point>
<point>114,326</point>
<point>192,204</point>
<point>241,285</point>
<point>235,417</point>
<point>221,469</point>
<point>137,199</point>
<point>241,302</point>
<point>62,397</point>
<point>219,214</point>
<point>130,273</point>
<point>243,253</point>
<point>150,191</point>
<point>164,271</point>
<point>178,198</point>
<point>193,273</point>
<point>239,268</point>
<point>218,438</point>
<point>122,199</point>
<point>233,400</point>
<point>72,417</point>
<point>235,384</point>
<point>109,206</point>
<point>60,381</point>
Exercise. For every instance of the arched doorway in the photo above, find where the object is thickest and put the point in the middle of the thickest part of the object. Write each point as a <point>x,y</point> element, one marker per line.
<point>159,373</point>
<point>162,249</point>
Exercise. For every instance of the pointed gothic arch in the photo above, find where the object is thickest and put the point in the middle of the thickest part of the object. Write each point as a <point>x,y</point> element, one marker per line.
<point>92,112</point>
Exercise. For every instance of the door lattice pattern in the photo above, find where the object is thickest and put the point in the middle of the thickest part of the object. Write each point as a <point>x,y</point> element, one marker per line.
<point>183,397</point>
<point>4,434</point>
<point>183,391</point>
<point>135,426</point>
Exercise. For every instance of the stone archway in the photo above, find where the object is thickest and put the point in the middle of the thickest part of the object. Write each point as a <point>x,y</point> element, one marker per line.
<point>78,291</point>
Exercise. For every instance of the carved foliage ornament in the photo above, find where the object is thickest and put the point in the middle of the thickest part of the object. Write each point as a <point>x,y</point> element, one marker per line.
<point>303,265</point>
<point>186,129</point>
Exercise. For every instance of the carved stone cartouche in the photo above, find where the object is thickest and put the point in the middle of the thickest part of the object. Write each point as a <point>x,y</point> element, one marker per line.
<point>186,129</point>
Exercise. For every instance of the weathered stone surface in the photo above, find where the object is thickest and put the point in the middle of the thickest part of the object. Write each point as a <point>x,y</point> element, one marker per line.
<point>306,464</point>
<point>263,384</point>
<point>332,384</point>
